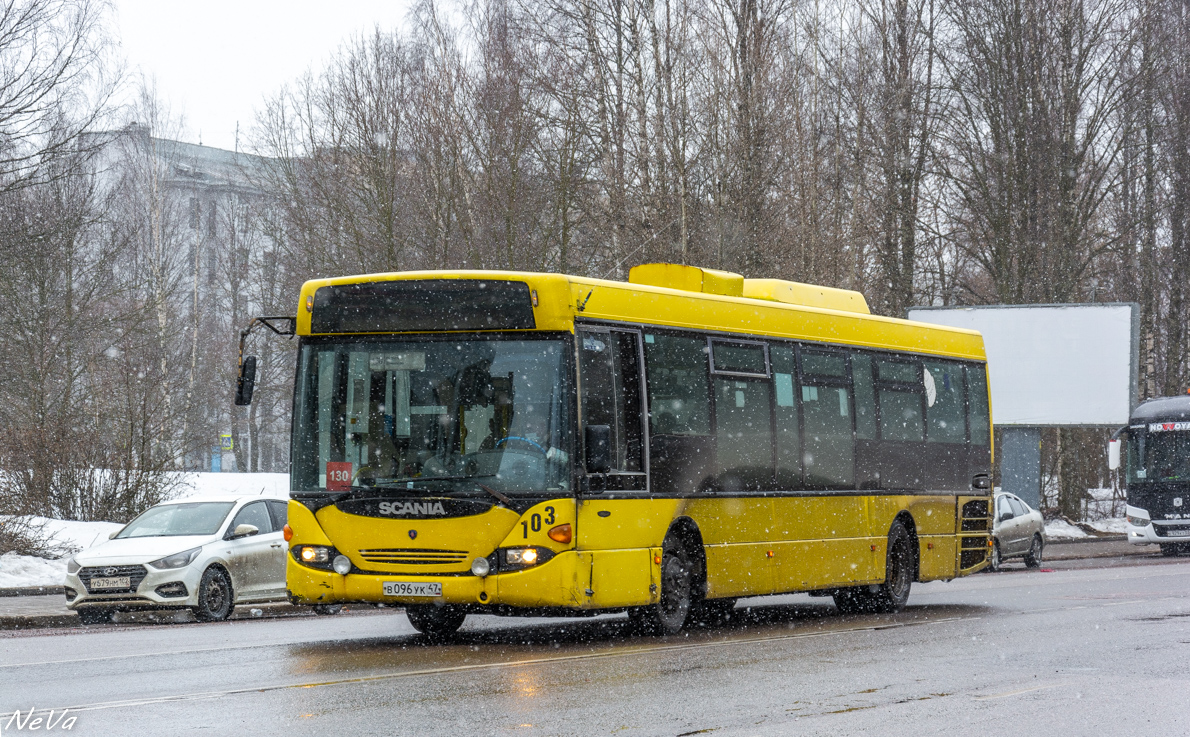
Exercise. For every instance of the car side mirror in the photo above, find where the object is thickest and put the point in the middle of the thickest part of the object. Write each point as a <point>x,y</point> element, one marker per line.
<point>1006,516</point>
<point>244,531</point>
<point>1113,454</point>
<point>598,442</point>
<point>246,383</point>
<point>114,533</point>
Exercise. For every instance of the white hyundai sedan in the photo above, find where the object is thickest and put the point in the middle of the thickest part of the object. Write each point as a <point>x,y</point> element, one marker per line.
<point>206,556</point>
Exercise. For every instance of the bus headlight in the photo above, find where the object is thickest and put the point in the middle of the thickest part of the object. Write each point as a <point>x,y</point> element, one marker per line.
<point>515,559</point>
<point>480,567</point>
<point>342,565</point>
<point>1138,521</point>
<point>315,556</point>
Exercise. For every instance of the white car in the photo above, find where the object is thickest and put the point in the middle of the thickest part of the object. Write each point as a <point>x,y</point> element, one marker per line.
<point>205,555</point>
<point>1018,531</point>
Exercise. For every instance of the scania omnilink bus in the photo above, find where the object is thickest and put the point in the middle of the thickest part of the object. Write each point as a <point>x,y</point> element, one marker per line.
<point>523,443</point>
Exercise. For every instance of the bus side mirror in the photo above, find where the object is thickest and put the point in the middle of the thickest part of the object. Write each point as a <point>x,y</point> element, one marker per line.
<point>1113,454</point>
<point>247,381</point>
<point>598,441</point>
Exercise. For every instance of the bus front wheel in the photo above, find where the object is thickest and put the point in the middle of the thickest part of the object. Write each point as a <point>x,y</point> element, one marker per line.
<point>435,622</point>
<point>669,614</point>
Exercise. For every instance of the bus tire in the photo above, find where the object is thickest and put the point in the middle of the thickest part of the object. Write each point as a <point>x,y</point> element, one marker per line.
<point>327,610</point>
<point>900,563</point>
<point>1033,557</point>
<point>890,596</point>
<point>435,622</point>
<point>671,611</point>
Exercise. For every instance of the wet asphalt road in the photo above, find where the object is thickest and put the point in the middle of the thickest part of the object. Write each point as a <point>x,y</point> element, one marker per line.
<point>1078,651</point>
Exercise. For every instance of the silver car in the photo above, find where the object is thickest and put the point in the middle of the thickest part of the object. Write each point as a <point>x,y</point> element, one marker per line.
<point>205,555</point>
<point>1018,531</point>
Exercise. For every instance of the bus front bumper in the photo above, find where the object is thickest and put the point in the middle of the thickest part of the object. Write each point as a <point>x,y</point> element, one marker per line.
<point>553,584</point>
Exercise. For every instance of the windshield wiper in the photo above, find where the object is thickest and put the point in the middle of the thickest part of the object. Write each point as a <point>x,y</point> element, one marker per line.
<point>392,483</point>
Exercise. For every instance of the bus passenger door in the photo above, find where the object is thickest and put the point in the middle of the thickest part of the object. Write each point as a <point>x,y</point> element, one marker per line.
<point>611,411</point>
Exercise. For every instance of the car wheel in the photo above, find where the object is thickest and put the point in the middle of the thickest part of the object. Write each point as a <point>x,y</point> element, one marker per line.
<point>668,616</point>
<point>1033,557</point>
<point>435,622</point>
<point>96,615</point>
<point>214,597</point>
<point>327,609</point>
<point>996,563</point>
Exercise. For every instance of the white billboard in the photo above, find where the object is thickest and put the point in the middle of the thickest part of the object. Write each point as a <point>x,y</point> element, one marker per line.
<point>1049,365</point>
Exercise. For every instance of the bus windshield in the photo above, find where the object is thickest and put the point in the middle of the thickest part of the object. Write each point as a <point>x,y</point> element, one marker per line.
<point>430,416</point>
<point>1159,456</point>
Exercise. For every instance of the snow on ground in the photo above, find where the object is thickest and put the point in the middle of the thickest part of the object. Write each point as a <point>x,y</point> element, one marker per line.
<point>200,485</point>
<point>1060,528</point>
<point>1056,529</point>
<point>24,570</point>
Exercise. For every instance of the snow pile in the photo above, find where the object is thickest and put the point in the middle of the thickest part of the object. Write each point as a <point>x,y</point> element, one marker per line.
<point>202,485</point>
<point>1057,529</point>
<point>24,570</point>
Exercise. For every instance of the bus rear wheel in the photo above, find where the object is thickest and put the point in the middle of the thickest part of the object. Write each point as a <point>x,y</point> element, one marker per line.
<point>435,622</point>
<point>669,614</point>
<point>890,596</point>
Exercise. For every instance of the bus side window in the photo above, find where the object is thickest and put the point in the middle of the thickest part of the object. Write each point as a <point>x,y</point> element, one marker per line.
<point>610,375</point>
<point>786,421</point>
<point>865,396</point>
<point>977,404</point>
<point>680,443</point>
<point>944,402</point>
<point>829,448</point>
<point>743,416</point>
<point>900,392</point>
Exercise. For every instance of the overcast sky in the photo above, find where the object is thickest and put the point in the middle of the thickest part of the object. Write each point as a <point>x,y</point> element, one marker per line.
<point>216,60</point>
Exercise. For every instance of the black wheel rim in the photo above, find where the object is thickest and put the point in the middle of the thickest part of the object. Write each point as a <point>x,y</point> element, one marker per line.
<point>215,596</point>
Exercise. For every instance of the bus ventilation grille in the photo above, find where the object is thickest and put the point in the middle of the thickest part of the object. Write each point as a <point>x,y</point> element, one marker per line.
<point>414,556</point>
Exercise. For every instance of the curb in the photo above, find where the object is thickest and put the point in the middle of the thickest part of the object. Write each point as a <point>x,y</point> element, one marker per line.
<point>1087,539</point>
<point>34,591</point>
<point>38,621</point>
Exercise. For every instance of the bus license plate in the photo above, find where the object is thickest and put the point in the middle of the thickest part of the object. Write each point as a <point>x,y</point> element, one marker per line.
<point>122,582</point>
<point>412,588</point>
<point>1177,533</point>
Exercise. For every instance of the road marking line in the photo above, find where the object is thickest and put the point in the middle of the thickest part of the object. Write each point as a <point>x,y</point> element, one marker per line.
<point>1018,692</point>
<point>483,666</point>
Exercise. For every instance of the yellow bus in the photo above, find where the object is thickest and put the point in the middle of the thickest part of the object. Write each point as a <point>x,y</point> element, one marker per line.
<point>540,444</point>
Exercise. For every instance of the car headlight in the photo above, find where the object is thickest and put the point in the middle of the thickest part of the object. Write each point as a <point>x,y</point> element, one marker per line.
<point>177,560</point>
<point>1138,521</point>
<point>72,566</point>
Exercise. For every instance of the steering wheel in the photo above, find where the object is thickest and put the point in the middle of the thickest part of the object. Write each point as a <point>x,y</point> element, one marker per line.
<point>535,445</point>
